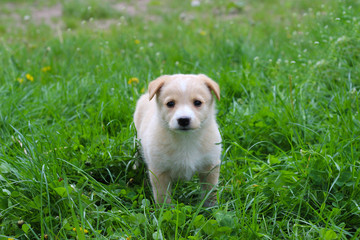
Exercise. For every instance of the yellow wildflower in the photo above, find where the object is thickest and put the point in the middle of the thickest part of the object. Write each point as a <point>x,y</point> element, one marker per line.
<point>142,90</point>
<point>137,41</point>
<point>81,229</point>
<point>202,32</point>
<point>255,185</point>
<point>29,77</point>
<point>46,69</point>
<point>133,80</point>
<point>20,80</point>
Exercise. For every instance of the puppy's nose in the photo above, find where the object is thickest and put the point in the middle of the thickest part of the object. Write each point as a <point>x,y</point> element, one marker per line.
<point>184,121</point>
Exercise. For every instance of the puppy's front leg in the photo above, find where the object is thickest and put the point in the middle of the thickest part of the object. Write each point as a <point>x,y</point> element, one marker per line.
<point>161,186</point>
<point>209,178</point>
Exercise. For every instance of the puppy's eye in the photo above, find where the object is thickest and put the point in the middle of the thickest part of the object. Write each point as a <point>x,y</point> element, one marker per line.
<point>197,103</point>
<point>170,104</point>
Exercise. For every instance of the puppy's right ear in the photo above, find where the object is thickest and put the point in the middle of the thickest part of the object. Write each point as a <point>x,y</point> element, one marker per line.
<point>154,86</point>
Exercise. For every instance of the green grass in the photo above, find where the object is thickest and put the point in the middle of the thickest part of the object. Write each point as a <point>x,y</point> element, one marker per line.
<point>288,115</point>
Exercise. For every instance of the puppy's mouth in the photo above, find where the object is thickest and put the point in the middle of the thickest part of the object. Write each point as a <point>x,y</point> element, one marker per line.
<point>185,129</point>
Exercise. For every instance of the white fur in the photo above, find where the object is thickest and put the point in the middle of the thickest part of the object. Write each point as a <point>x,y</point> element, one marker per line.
<point>170,152</point>
<point>183,84</point>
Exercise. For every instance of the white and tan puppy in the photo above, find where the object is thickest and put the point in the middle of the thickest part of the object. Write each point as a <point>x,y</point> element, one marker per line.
<point>176,126</point>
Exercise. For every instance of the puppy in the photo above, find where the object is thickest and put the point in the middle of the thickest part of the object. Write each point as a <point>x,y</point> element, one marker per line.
<point>176,125</point>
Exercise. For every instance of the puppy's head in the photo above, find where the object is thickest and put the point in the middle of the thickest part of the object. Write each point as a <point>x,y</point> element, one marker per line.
<point>184,102</point>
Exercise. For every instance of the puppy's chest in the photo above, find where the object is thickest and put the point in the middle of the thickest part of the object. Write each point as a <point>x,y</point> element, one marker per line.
<point>183,160</point>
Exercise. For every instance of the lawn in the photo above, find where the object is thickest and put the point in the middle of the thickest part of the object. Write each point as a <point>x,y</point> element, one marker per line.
<point>70,75</point>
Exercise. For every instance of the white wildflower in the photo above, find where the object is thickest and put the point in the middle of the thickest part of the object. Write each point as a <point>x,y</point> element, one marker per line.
<point>319,63</point>
<point>341,39</point>
<point>195,3</point>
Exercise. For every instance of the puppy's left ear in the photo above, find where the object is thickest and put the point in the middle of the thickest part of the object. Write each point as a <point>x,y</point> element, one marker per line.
<point>155,85</point>
<point>213,86</point>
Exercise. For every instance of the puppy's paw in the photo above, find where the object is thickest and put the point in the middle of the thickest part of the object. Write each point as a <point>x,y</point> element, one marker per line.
<point>211,200</point>
<point>210,203</point>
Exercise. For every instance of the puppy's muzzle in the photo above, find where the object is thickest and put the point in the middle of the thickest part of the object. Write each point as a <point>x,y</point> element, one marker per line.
<point>184,123</point>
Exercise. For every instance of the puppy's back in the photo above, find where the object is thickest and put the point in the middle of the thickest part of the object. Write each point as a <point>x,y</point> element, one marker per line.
<point>145,110</point>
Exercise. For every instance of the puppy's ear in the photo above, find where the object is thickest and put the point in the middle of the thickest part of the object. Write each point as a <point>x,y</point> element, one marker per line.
<point>213,86</point>
<point>155,85</point>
